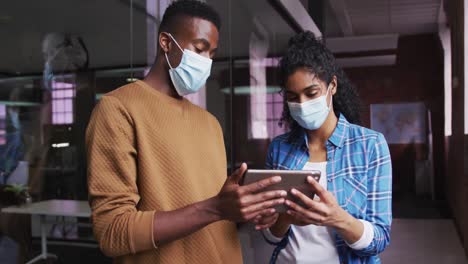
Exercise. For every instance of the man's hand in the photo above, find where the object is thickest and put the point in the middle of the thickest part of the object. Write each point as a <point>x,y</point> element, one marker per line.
<point>235,203</point>
<point>266,220</point>
<point>244,203</point>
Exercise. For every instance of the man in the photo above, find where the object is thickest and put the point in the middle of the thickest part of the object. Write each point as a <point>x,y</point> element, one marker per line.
<point>157,164</point>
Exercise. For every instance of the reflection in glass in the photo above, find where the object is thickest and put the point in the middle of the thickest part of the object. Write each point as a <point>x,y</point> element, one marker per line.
<point>63,94</point>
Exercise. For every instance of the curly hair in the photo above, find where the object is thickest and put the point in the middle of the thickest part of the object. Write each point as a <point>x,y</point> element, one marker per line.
<point>306,51</point>
<point>191,8</point>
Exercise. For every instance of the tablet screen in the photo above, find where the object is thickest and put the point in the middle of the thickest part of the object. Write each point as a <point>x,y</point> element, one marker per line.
<point>289,179</point>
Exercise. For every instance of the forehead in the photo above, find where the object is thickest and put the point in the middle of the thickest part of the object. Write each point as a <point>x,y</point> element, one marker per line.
<point>191,28</point>
<point>302,78</point>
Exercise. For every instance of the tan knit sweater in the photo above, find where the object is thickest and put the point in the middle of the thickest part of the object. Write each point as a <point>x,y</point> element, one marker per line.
<point>149,152</point>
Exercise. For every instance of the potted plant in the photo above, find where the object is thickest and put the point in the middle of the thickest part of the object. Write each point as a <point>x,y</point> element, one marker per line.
<point>14,194</point>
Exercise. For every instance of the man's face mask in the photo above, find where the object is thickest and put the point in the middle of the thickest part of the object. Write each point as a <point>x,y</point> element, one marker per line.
<point>311,114</point>
<point>192,72</point>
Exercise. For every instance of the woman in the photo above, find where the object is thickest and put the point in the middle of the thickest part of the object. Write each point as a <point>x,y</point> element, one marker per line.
<point>349,219</point>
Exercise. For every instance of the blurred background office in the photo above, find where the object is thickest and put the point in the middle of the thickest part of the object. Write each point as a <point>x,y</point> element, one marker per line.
<point>407,58</point>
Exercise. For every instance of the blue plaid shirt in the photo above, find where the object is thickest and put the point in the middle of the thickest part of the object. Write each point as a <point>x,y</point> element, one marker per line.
<point>359,174</point>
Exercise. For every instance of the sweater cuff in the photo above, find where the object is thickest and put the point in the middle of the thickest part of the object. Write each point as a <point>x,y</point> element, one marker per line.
<point>142,232</point>
<point>366,237</point>
<point>152,233</point>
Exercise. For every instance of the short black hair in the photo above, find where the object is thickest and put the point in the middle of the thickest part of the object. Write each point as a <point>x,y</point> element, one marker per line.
<point>308,52</point>
<point>191,8</point>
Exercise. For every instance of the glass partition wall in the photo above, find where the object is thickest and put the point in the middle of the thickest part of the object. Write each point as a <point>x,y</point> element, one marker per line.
<point>59,57</point>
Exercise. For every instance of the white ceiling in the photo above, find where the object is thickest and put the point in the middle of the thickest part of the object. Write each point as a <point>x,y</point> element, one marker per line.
<point>371,17</point>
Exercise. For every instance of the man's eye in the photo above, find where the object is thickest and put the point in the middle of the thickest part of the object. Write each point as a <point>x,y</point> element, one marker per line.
<point>312,95</point>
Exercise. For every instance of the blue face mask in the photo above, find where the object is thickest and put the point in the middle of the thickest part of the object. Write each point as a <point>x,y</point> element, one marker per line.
<point>311,114</point>
<point>192,72</point>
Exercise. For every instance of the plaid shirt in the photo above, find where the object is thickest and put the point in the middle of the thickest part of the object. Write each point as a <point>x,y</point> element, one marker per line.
<point>359,174</point>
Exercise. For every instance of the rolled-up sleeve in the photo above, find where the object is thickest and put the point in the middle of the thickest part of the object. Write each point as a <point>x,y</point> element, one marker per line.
<point>379,198</point>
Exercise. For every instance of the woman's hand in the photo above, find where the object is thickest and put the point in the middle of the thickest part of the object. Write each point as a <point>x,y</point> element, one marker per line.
<point>323,212</point>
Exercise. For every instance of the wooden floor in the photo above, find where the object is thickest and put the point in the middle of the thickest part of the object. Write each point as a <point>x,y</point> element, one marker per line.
<point>413,241</point>
<point>429,241</point>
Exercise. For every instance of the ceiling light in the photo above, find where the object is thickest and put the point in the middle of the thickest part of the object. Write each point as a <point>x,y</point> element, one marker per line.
<point>132,80</point>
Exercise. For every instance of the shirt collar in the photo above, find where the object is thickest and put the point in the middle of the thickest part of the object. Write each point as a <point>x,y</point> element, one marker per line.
<point>337,138</point>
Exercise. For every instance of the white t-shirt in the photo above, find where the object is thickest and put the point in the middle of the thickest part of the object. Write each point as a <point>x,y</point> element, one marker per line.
<point>315,244</point>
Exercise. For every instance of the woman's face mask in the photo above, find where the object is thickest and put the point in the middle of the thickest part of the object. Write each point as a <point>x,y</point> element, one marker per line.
<point>192,72</point>
<point>311,114</point>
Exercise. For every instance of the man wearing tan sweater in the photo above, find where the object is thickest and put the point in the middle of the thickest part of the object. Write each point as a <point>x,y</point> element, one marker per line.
<point>157,164</point>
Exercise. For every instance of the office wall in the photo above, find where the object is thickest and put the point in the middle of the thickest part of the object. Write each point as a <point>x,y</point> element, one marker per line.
<point>457,152</point>
<point>416,77</point>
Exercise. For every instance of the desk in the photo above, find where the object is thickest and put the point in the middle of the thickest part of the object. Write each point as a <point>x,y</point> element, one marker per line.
<point>70,208</point>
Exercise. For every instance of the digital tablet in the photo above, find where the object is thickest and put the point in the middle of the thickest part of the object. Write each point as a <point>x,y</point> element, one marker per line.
<point>289,179</point>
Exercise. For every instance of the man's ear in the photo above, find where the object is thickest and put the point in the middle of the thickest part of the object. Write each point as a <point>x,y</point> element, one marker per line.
<point>165,41</point>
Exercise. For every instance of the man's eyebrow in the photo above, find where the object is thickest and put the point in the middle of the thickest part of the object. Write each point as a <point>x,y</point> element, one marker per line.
<point>203,41</point>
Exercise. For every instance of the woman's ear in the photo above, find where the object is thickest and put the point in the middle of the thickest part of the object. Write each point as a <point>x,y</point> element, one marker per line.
<point>334,85</point>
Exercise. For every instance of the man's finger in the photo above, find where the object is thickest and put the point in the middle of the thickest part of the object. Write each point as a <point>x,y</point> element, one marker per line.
<point>264,196</point>
<point>267,218</point>
<point>259,185</point>
<point>261,206</point>
<point>266,221</point>
<point>257,213</point>
<point>269,214</point>
<point>237,175</point>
